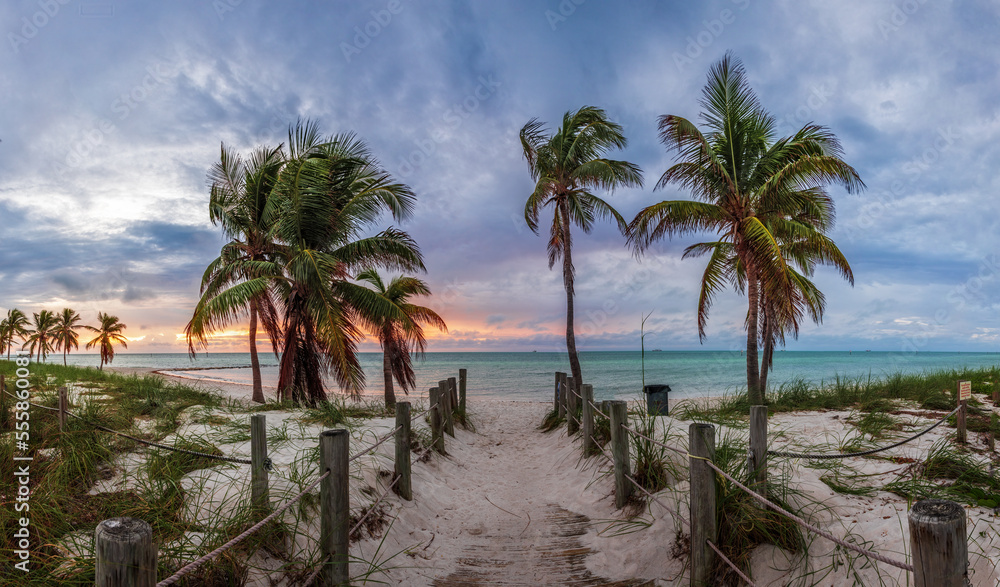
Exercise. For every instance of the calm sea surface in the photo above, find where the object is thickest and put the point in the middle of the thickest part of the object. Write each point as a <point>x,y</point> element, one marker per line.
<point>529,376</point>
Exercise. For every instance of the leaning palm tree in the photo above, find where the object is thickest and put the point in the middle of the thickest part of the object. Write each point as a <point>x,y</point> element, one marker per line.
<point>14,325</point>
<point>239,195</point>
<point>109,333</point>
<point>753,190</point>
<point>567,167</point>
<point>400,337</point>
<point>65,333</point>
<point>41,338</point>
<point>330,192</point>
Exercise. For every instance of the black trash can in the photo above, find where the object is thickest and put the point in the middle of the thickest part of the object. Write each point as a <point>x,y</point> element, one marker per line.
<point>656,399</point>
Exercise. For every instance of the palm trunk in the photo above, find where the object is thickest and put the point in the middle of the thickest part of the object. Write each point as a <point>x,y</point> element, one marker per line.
<point>574,359</point>
<point>754,394</point>
<point>765,361</point>
<point>258,391</point>
<point>64,357</point>
<point>390,394</point>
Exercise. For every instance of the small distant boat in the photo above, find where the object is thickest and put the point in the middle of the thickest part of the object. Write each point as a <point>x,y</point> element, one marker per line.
<point>656,351</point>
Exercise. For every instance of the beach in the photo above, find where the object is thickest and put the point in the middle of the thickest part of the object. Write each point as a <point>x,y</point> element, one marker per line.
<point>511,505</point>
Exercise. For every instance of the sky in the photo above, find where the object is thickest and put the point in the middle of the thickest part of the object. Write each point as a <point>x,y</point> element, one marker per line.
<point>114,112</point>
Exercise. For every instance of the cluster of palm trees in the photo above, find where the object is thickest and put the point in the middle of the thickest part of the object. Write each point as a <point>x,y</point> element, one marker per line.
<point>762,195</point>
<point>298,219</point>
<point>52,332</point>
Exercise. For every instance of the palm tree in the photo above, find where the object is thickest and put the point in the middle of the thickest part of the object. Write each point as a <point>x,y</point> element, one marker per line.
<point>400,337</point>
<point>753,190</point>
<point>239,197</point>
<point>65,331</point>
<point>15,324</point>
<point>330,191</point>
<point>40,339</point>
<point>567,166</point>
<point>109,333</point>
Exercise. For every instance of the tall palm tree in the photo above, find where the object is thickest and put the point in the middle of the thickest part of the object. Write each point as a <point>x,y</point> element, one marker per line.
<point>42,337</point>
<point>329,193</point>
<point>399,338</point>
<point>65,333</point>
<point>753,190</point>
<point>567,167</point>
<point>15,325</point>
<point>239,195</point>
<point>109,333</point>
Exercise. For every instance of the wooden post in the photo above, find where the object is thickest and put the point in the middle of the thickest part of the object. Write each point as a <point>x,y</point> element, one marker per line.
<point>562,395</point>
<point>335,514</point>
<point>124,554</point>
<point>996,395</point>
<point>448,418</point>
<point>757,459</point>
<point>587,391</point>
<point>961,435</point>
<point>437,436</point>
<point>619,450</point>
<point>939,544</point>
<point>462,378</point>
<point>402,466</point>
<point>555,404</point>
<point>453,386</point>
<point>62,409</point>
<point>258,462</point>
<point>701,440</point>
<point>572,424</point>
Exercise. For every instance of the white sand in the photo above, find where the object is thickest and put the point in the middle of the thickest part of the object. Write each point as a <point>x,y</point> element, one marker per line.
<point>510,505</point>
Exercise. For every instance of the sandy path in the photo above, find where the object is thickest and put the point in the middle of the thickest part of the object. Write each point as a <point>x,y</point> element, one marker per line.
<point>509,507</point>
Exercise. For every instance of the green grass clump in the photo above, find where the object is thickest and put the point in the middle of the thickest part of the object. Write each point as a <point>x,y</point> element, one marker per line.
<point>338,411</point>
<point>551,421</point>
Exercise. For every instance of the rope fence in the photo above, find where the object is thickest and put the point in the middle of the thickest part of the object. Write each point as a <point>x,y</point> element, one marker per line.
<point>730,563</point>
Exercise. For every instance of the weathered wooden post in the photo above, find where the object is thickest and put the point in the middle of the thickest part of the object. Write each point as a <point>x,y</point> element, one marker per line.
<point>701,443</point>
<point>124,553</point>
<point>453,386</point>
<point>964,392</point>
<point>448,418</point>
<point>63,404</point>
<point>259,495</point>
<point>572,424</point>
<point>462,378</point>
<point>996,394</point>
<point>757,459</point>
<point>939,544</point>
<point>335,514</point>
<point>437,435</point>
<point>619,452</point>
<point>562,395</point>
<point>555,403</point>
<point>402,466</point>
<point>587,391</point>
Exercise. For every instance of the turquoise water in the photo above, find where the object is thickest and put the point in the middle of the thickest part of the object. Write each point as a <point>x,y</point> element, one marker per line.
<point>529,376</point>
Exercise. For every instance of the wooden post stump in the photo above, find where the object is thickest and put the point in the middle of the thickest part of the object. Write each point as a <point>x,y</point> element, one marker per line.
<point>259,494</point>
<point>587,391</point>
<point>701,440</point>
<point>961,436</point>
<point>447,407</point>
<point>939,544</point>
<point>402,465</point>
<point>335,514</point>
<point>453,386</point>
<point>63,405</point>
<point>462,379</point>
<point>124,553</point>
<point>562,395</point>
<point>572,424</point>
<point>757,459</point>
<point>437,435</point>
<point>619,452</point>
<point>555,403</point>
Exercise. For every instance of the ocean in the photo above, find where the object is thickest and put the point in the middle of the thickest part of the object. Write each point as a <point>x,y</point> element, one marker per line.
<point>617,374</point>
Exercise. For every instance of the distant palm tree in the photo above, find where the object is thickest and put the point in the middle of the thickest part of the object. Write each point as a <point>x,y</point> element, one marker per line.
<point>41,338</point>
<point>566,167</point>
<point>403,334</point>
<point>329,193</point>
<point>109,333</point>
<point>65,331</point>
<point>239,199</point>
<point>756,192</point>
<point>14,325</point>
